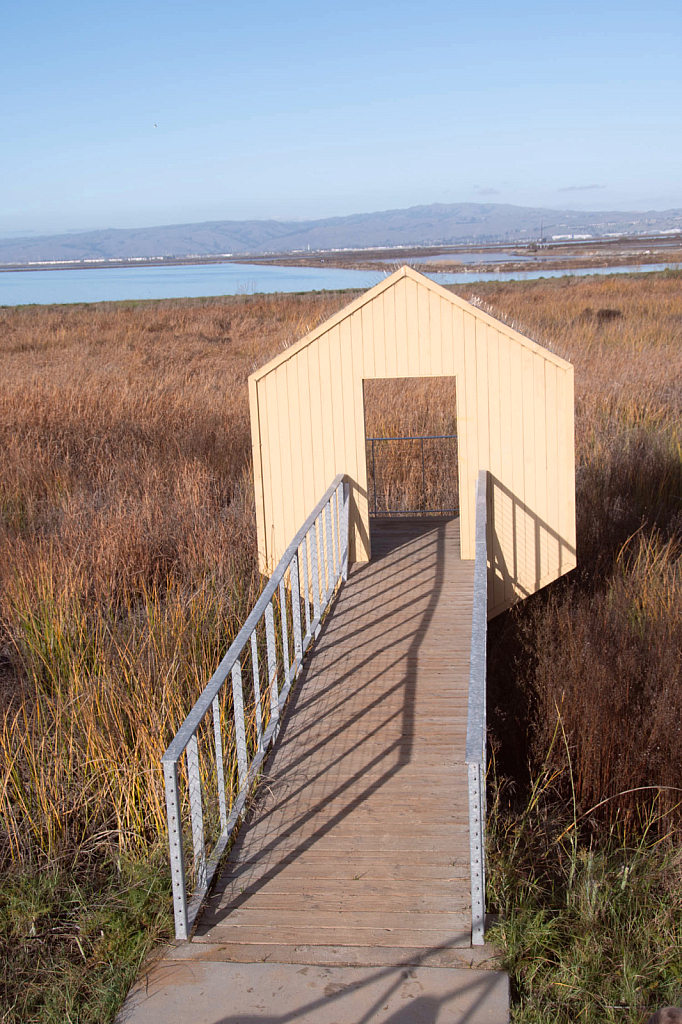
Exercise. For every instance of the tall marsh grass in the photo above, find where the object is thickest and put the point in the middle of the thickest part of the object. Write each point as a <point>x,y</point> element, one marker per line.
<point>586,678</point>
<point>127,565</point>
<point>128,562</point>
<point>605,645</point>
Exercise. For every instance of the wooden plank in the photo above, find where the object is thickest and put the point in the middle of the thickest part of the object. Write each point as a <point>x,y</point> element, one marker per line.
<point>539,396</point>
<point>337,902</point>
<point>495,464</point>
<point>566,467</point>
<point>287,894</point>
<point>423,339</point>
<point>553,543</point>
<point>366,319</point>
<point>515,554</point>
<point>436,335</point>
<point>527,566</point>
<point>459,934</point>
<point>503,511</point>
<point>317,466</point>
<point>412,293</point>
<point>274,470</point>
<point>483,396</point>
<point>259,491</point>
<point>289,523</point>
<point>278,920</point>
<point>298,505</point>
<point>360,548</point>
<point>378,339</point>
<point>351,426</point>
<point>390,334</point>
<point>401,330</point>
<point>468,427</point>
<point>338,410</point>
<point>406,865</point>
<point>326,398</point>
<point>461,955</point>
<point>569,467</point>
<point>305,432</point>
<point>450,325</point>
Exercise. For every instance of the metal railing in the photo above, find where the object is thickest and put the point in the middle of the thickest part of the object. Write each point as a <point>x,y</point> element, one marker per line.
<point>308,573</point>
<point>476,720</point>
<point>398,486</point>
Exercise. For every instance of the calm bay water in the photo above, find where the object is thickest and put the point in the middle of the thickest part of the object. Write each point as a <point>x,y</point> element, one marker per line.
<point>114,284</point>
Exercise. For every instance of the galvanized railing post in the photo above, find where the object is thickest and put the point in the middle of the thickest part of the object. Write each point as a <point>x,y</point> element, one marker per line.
<point>336,511</point>
<point>272,660</point>
<point>256,690</point>
<point>284,625</point>
<point>177,857</point>
<point>239,724</point>
<point>220,770</point>
<point>330,554</point>
<point>306,585</point>
<point>316,574</point>
<point>476,854</point>
<point>296,609</point>
<point>196,811</point>
<point>345,532</point>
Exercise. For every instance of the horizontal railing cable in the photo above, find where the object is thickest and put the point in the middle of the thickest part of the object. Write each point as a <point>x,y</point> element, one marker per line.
<point>310,570</point>
<point>422,510</point>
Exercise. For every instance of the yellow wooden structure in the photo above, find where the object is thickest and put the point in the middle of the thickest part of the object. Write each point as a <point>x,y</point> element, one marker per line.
<point>514,419</point>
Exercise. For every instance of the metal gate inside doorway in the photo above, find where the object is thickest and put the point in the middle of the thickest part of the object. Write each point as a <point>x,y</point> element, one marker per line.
<point>412,475</point>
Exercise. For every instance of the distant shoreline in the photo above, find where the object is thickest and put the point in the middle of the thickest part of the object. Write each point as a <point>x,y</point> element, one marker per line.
<point>593,254</point>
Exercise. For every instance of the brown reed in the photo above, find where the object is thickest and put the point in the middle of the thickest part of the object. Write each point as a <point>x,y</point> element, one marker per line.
<point>127,551</point>
<point>127,523</point>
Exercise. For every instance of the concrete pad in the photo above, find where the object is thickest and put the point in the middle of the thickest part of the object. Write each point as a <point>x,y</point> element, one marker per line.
<point>201,992</point>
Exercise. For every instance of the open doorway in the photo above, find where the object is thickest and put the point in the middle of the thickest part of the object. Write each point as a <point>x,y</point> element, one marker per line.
<point>411,446</point>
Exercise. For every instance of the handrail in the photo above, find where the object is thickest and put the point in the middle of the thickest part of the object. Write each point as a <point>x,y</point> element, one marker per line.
<point>415,437</point>
<point>476,719</point>
<point>317,560</point>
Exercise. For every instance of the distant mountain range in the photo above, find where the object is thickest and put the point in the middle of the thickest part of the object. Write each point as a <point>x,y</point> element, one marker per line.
<point>438,224</point>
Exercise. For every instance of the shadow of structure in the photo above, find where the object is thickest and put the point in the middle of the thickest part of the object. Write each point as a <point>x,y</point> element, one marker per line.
<point>358,829</point>
<point>537,554</point>
<point>381,989</point>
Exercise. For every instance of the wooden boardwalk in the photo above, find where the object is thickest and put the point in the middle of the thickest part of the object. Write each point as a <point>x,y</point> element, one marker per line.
<point>357,848</point>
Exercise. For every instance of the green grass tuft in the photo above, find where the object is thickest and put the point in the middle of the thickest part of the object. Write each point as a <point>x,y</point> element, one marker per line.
<point>73,936</point>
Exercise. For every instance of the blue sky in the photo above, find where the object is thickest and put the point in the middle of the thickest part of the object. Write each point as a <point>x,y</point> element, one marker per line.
<point>305,110</point>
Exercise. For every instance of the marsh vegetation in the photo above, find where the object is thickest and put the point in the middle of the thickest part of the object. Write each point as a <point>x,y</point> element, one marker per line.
<point>128,561</point>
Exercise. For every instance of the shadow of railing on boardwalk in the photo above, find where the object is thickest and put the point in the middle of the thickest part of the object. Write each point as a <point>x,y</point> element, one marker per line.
<point>422,1009</point>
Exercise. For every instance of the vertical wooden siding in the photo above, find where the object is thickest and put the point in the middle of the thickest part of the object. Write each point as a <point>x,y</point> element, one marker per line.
<point>514,418</point>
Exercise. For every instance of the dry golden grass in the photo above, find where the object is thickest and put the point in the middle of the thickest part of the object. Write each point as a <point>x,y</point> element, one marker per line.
<point>126,547</point>
<point>606,649</point>
<point>127,562</point>
<point>127,536</point>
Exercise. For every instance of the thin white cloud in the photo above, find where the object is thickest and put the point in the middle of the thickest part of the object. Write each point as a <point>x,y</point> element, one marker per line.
<point>579,188</point>
<point>486,190</point>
